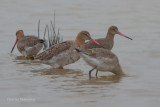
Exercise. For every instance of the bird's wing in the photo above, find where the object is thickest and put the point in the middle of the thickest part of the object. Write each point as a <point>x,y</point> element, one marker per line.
<point>99,53</point>
<point>55,50</point>
<point>30,41</point>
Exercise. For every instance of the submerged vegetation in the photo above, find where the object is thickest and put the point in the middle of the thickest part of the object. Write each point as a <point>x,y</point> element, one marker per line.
<point>53,36</point>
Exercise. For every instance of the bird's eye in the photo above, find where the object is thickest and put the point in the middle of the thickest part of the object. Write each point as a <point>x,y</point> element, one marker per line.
<point>86,34</point>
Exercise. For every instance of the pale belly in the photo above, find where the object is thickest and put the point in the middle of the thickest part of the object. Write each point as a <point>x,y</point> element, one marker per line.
<point>102,65</point>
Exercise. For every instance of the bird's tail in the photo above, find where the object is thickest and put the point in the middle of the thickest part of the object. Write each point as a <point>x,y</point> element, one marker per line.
<point>42,41</point>
<point>32,58</point>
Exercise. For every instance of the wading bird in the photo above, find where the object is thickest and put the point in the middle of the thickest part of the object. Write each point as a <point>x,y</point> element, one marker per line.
<point>27,45</point>
<point>101,60</point>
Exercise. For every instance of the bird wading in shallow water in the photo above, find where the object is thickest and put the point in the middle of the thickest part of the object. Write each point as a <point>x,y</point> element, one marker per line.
<point>101,60</point>
<point>27,45</point>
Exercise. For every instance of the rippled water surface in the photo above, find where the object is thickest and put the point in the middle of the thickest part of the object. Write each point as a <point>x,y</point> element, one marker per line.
<point>23,83</point>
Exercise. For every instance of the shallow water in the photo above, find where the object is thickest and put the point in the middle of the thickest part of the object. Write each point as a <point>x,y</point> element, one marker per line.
<point>23,83</point>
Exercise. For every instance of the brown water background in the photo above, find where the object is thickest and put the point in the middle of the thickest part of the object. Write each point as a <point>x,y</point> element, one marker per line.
<point>23,83</point>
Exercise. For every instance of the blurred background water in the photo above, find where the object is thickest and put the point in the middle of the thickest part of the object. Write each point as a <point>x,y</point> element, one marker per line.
<point>139,58</point>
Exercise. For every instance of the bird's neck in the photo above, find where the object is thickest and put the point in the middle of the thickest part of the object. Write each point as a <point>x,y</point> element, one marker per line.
<point>109,40</point>
<point>79,42</point>
<point>110,36</point>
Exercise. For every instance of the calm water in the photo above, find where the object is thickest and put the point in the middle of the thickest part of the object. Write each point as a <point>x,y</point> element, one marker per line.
<point>25,84</point>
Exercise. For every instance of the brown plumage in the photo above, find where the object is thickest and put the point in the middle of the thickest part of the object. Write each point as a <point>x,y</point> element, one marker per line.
<point>27,45</point>
<point>101,60</point>
<point>106,42</point>
<point>64,53</point>
<point>55,50</point>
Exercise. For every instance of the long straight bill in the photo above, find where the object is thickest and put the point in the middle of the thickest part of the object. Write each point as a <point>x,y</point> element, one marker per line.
<point>124,35</point>
<point>14,45</point>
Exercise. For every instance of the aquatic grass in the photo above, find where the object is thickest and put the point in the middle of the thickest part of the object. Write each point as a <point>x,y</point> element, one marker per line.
<point>38,27</point>
<point>53,36</point>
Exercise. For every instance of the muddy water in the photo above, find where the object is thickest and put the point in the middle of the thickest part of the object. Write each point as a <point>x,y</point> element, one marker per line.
<point>23,83</point>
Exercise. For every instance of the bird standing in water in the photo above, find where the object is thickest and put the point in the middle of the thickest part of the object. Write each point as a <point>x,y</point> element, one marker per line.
<point>101,60</point>
<point>27,45</point>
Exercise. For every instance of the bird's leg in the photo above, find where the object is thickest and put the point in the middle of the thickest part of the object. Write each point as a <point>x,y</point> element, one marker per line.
<point>96,73</point>
<point>91,72</point>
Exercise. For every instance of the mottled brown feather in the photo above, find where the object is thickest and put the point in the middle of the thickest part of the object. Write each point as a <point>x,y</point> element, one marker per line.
<point>55,50</point>
<point>27,41</point>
